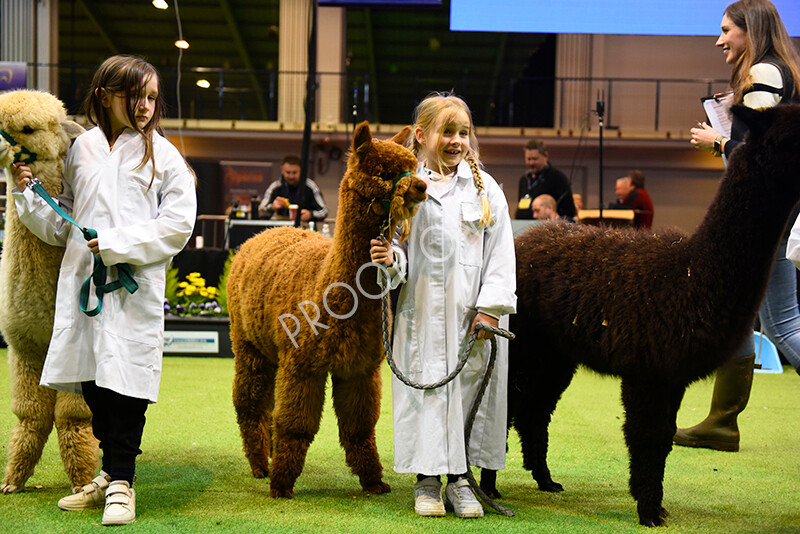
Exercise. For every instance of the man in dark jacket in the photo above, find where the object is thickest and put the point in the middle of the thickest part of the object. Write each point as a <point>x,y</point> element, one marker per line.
<point>286,191</point>
<point>542,178</point>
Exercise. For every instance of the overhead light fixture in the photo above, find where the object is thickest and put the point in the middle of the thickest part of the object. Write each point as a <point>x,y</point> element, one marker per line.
<point>182,44</point>
<point>205,84</point>
<point>160,4</point>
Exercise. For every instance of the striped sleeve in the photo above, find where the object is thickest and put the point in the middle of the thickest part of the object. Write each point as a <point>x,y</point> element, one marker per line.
<point>322,210</point>
<point>767,88</point>
<point>265,207</point>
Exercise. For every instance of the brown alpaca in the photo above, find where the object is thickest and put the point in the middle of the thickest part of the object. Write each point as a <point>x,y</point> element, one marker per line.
<point>298,313</point>
<point>660,311</point>
<point>28,276</point>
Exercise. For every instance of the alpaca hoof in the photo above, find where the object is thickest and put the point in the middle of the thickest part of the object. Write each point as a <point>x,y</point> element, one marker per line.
<point>378,488</point>
<point>260,472</point>
<point>11,488</point>
<point>657,522</point>
<point>551,487</point>
<point>276,493</point>
<point>492,493</point>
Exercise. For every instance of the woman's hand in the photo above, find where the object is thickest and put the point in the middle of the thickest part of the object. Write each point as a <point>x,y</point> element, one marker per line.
<point>486,319</point>
<point>381,252</point>
<point>22,175</point>
<point>94,246</point>
<point>703,137</point>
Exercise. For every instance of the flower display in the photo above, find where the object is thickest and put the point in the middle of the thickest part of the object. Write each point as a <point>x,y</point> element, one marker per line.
<point>193,297</point>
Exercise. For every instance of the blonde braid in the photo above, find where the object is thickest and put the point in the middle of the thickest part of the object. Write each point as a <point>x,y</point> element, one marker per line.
<point>486,209</point>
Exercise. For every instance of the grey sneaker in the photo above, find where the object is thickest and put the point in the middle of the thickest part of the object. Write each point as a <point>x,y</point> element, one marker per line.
<point>428,497</point>
<point>120,504</point>
<point>92,495</point>
<point>460,499</point>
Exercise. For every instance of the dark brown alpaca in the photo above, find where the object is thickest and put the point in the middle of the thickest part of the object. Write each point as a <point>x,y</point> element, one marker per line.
<point>298,313</point>
<point>660,311</point>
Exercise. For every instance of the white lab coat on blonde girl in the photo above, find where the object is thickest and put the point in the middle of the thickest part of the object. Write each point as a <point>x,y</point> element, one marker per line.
<point>121,348</point>
<point>454,267</point>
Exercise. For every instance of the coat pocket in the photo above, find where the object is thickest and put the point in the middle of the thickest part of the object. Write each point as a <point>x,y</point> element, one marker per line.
<point>471,249</point>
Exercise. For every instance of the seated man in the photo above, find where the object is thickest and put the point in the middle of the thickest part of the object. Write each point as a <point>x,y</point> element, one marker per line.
<point>544,209</point>
<point>631,197</point>
<point>286,191</point>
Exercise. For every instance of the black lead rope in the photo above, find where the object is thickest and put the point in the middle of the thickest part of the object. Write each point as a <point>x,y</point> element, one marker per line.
<point>462,360</point>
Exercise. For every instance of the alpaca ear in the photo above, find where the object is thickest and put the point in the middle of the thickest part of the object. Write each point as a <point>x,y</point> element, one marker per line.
<point>402,136</point>
<point>362,139</point>
<point>757,121</point>
<point>72,129</point>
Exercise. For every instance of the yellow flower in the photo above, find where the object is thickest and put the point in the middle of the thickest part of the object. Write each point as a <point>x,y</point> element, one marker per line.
<point>183,284</point>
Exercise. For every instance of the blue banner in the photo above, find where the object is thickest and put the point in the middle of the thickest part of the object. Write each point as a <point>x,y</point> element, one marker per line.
<point>12,75</point>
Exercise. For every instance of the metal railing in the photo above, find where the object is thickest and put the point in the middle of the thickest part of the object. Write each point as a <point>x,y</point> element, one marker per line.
<point>538,102</point>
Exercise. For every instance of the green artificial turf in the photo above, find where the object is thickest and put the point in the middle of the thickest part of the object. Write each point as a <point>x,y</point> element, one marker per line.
<point>193,477</point>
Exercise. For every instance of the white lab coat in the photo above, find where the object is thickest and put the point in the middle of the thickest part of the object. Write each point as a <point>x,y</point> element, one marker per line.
<point>453,267</point>
<point>793,244</point>
<point>121,348</point>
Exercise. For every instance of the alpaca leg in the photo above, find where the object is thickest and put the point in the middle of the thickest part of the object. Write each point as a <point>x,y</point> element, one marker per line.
<point>78,446</point>
<point>253,400</point>
<point>33,405</point>
<point>537,400</point>
<point>357,402</point>
<point>298,408</point>
<point>489,483</point>
<point>649,426</point>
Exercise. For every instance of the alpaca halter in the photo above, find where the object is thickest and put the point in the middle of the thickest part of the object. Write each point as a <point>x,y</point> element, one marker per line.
<point>24,155</point>
<point>387,202</point>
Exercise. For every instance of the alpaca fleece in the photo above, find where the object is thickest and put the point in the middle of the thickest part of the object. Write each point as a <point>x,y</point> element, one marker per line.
<point>28,276</point>
<point>289,281</point>
<point>658,310</point>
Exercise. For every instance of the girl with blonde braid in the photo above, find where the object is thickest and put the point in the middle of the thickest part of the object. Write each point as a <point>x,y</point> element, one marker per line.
<point>458,269</point>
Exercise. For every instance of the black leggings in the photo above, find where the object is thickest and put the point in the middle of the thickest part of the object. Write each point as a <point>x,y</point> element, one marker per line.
<point>118,423</point>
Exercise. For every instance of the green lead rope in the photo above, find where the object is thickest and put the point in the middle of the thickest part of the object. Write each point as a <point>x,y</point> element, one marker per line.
<point>100,270</point>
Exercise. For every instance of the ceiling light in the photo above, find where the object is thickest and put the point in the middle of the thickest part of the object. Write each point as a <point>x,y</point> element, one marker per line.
<point>205,84</point>
<point>182,44</point>
<point>160,4</point>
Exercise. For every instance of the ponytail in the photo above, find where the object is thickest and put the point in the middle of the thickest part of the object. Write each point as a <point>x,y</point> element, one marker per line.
<point>486,209</point>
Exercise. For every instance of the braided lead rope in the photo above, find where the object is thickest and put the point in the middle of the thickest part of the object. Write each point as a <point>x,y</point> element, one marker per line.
<point>462,360</point>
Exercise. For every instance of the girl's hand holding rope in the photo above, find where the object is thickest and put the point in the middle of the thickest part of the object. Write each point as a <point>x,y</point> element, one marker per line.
<point>485,319</point>
<point>22,175</point>
<point>381,252</point>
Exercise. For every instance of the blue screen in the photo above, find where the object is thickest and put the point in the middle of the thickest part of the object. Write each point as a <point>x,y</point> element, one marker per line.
<point>640,17</point>
<point>379,3</point>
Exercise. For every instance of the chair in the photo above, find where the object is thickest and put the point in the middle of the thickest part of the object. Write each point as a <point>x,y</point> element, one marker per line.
<point>766,355</point>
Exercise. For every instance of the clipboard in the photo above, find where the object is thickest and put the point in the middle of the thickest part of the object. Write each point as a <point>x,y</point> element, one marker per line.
<point>718,111</point>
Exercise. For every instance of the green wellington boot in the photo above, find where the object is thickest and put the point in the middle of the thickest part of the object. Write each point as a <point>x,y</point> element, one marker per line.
<point>719,430</point>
